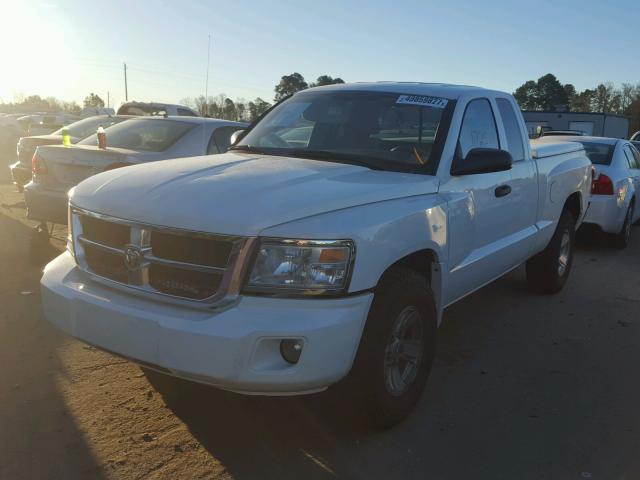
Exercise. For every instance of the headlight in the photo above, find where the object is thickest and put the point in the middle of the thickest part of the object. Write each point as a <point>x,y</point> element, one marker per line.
<point>302,266</point>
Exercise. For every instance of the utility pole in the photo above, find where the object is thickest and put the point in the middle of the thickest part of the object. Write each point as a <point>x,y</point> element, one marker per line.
<point>126,92</point>
<point>108,102</point>
<point>206,85</point>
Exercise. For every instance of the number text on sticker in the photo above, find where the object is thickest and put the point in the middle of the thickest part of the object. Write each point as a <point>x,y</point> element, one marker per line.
<point>423,100</point>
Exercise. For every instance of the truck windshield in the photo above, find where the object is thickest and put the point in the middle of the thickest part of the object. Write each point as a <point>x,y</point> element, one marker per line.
<point>378,130</point>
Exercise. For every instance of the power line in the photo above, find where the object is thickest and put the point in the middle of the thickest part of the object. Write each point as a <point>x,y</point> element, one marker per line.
<point>206,85</point>
<point>126,90</point>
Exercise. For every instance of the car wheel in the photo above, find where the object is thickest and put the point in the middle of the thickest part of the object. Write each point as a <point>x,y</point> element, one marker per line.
<point>621,239</point>
<point>397,348</point>
<point>548,271</point>
<point>39,245</point>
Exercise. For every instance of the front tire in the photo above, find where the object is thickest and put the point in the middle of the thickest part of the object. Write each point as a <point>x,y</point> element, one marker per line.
<point>549,270</point>
<point>39,245</point>
<point>397,348</point>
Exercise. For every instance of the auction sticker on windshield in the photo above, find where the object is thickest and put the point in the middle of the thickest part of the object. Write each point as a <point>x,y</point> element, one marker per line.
<point>423,100</point>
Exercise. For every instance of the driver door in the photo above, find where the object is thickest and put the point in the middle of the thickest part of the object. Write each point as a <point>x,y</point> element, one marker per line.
<point>482,209</point>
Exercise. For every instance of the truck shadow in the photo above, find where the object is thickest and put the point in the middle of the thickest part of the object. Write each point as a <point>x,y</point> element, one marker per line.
<point>319,436</point>
<point>513,394</point>
<point>39,437</point>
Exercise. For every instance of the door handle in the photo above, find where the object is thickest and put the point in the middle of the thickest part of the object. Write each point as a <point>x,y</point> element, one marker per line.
<point>502,190</point>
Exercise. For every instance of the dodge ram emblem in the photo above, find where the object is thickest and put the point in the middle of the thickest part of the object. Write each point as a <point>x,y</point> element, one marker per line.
<point>132,257</point>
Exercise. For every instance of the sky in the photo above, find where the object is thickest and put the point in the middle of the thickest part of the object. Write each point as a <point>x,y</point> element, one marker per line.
<point>69,48</point>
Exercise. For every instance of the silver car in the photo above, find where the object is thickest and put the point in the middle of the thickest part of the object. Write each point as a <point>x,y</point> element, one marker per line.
<point>26,147</point>
<point>57,168</point>
<point>615,190</point>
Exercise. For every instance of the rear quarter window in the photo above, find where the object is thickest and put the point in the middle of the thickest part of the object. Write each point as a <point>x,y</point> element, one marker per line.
<point>512,129</point>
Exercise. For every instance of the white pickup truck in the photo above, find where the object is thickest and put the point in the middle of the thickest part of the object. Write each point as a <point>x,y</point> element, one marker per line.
<point>324,246</point>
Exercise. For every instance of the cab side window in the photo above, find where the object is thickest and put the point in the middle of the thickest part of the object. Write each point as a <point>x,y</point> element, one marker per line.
<point>512,129</point>
<point>478,128</point>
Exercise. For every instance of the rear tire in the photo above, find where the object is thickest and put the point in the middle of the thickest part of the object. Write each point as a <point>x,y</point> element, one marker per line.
<point>39,245</point>
<point>397,349</point>
<point>621,239</point>
<point>549,270</point>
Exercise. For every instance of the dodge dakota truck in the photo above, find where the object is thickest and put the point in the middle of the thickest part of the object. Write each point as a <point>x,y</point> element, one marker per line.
<point>324,246</point>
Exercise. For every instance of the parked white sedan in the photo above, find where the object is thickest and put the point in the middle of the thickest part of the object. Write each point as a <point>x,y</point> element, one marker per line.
<point>56,168</point>
<point>615,190</point>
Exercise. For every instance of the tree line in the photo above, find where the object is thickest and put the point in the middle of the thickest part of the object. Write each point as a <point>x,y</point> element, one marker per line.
<point>545,93</point>
<point>35,103</point>
<point>217,106</point>
<point>548,93</point>
<point>240,109</point>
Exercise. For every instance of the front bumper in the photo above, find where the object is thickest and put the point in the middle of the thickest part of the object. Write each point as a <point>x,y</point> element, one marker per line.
<point>235,349</point>
<point>45,205</point>
<point>605,213</point>
<point>20,174</point>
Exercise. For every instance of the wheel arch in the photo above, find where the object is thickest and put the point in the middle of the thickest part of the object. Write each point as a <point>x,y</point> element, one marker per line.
<point>427,263</point>
<point>573,204</point>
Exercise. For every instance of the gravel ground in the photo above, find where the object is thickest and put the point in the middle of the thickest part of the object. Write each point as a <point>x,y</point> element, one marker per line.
<point>524,387</point>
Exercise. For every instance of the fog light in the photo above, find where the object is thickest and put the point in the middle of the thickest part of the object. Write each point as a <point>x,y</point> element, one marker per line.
<point>290,350</point>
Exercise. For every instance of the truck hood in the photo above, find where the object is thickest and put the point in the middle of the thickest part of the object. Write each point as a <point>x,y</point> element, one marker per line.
<point>240,193</point>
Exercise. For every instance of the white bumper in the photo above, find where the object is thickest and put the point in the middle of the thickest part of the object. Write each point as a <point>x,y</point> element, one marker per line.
<point>605,212</point>
<point>234,349</point>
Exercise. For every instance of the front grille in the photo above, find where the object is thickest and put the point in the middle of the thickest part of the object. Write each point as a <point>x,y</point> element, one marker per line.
<point>184,283</point>
<point>181,264</point>
<point>199,250</point>
<point>106,264</point>
<point>106,233</point>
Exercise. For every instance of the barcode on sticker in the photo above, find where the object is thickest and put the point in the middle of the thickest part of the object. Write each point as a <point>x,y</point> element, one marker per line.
<point>423,100</point>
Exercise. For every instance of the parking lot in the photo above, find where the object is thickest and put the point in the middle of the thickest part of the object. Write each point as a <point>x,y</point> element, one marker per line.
<point>524,386</point>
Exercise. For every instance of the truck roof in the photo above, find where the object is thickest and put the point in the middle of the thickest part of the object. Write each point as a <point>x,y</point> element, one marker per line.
<point>414,88</point>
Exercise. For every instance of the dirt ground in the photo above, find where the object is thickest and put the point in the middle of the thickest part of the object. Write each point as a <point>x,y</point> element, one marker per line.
<point>524,387</point>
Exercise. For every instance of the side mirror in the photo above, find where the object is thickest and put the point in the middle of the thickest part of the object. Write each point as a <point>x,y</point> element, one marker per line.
<point>237,136</point>
<point>482,160</point>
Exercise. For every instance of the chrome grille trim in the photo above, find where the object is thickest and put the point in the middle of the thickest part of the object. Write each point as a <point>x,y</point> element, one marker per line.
<point>183,265</point>
<point>140,238</point>
<point>150,258</point>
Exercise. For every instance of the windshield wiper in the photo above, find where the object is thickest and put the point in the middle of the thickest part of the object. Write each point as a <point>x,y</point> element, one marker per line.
<point>322,155</point>
<point>246,148</point>
<point>335,157</point>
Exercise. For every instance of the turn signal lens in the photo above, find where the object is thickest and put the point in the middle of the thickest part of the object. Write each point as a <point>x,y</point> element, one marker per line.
<point>333,255</point>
